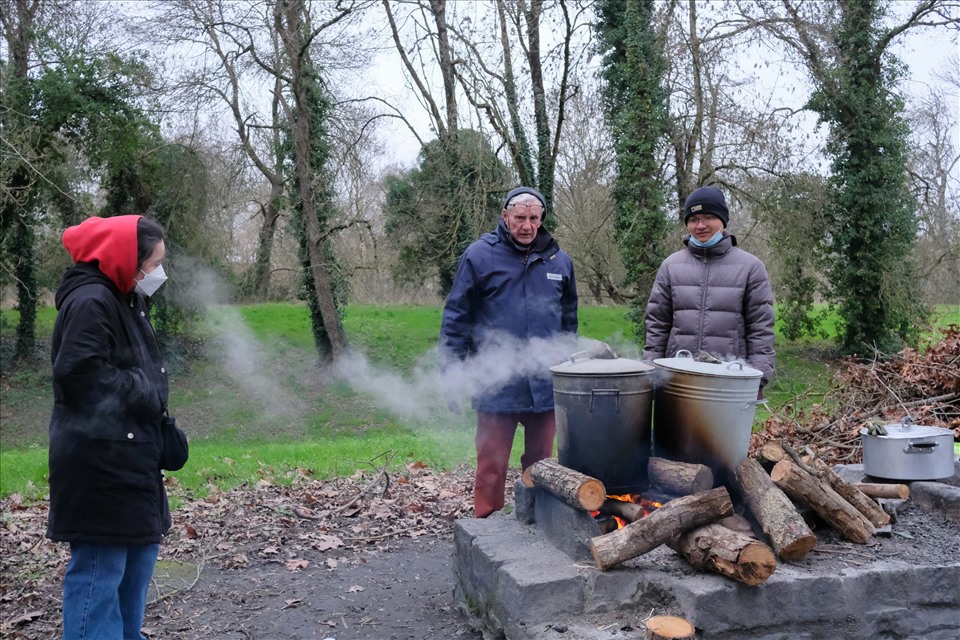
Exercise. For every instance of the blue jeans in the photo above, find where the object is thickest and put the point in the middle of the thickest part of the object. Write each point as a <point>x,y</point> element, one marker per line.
<point>105,590</point>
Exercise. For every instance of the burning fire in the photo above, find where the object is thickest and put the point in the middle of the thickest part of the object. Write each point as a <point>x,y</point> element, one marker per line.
<point>648,506</point>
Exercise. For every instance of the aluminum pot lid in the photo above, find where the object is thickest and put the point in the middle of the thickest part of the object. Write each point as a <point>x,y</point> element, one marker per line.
<point>898,430</point>
<point>683,362</point>
<point>601,367</point>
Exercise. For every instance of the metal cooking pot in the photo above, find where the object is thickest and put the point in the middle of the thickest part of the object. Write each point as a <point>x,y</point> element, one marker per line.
<point>703,411</point>
<point>603,420</point>
<point>908,452</point>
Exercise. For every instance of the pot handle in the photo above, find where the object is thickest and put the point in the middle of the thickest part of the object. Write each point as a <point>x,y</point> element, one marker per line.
<point>606,392</point>
<point>573,358</point>
<point>920,447</point>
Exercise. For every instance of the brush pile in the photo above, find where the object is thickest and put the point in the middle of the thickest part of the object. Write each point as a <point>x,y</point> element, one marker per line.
<point>923,385</point>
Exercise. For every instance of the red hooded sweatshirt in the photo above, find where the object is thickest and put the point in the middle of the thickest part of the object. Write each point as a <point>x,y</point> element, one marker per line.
<point>109,242</point>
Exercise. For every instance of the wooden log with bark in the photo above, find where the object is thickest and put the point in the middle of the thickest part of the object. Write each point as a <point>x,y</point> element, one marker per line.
<point>668,628</point>
<point>679,478</point>
<point>769,454</point>
<point>629,511</point>
<point>827,504</point>
<point>870,509</point>
<point>882,490</point>
<point>576,489</point>
<point>780,520</point>
<point>715,548</point>
<point>664,524</point>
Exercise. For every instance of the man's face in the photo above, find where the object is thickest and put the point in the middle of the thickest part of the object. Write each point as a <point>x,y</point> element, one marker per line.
<point>703,226</point>
<point>523,218</point>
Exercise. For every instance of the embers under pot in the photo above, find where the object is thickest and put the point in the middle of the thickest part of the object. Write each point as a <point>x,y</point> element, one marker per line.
<point>703,411</point>
<point>908,452</point>
<point>603,420</point>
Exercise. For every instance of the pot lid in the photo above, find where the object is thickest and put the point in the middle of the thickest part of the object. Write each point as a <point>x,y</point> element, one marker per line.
<point>900,430</point>
<point>684,362</point>
<point>601,367</point>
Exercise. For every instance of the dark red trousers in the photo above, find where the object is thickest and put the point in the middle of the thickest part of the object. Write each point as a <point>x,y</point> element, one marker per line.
<point>495,432</point>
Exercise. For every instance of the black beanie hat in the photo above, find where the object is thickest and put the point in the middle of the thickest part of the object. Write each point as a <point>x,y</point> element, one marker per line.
<point>706,200</point>
<point>521,190</point>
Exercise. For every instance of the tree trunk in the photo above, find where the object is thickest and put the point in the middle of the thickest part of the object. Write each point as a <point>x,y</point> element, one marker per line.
<point>778,517</point>
<point>679,478</point>
<point>289,24</point>
<point>713,547</point>
<point>839,513</point>
<point>576,489</point>
<point>447,71</point>
<point>664,524</point>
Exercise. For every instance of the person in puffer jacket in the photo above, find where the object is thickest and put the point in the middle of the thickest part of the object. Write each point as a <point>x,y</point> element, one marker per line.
<point>109,437</point>
<point>711,296</point>
<point>514,291</point>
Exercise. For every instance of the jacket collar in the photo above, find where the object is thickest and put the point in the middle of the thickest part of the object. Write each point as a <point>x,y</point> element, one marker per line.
<point>729,240</point>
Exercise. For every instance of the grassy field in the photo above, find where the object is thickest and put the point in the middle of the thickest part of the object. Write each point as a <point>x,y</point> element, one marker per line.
<point>257,408</point>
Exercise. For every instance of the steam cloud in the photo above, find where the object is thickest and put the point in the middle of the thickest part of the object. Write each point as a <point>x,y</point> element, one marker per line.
<point>427,389</point>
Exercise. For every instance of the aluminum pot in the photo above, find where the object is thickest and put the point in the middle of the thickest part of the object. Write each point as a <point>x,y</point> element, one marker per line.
<point>703,411</point>
<point>908,452</point>
<point>603,420</point>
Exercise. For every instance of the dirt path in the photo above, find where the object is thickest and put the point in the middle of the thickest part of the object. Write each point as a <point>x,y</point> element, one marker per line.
<point>403,591</point>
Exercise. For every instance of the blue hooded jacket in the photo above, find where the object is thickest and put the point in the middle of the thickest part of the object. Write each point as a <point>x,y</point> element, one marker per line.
<point>503,288</point>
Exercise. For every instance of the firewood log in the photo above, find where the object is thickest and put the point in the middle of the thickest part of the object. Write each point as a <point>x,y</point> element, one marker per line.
<point>679,478</point>
<point>780,520</point>
<point>830,506</point>
<point>668,628</point>
<point>881,490</point>
<point>769,454</point>
<point>575,488</point>
<point>666,523</point>
<point>713,547</point>
<point>870,509</point>
<point>629,511</point>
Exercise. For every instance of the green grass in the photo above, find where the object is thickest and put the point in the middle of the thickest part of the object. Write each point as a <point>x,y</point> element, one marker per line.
<point>277,414</point>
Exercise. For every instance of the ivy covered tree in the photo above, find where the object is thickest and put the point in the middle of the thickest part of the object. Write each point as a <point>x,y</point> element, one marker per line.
<point>308,113</point>
<point>873,227</point>
<point>870,222</point>
<point>636,107</point>
<point>438,208</point>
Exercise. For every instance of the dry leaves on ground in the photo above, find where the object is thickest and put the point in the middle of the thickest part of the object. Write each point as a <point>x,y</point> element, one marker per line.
<point>278,524</point>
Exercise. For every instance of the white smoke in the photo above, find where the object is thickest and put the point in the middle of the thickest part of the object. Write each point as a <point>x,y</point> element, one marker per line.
<point>426,389</point>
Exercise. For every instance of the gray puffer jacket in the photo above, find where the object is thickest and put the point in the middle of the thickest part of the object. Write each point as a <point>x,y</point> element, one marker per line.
<point>715,299</point>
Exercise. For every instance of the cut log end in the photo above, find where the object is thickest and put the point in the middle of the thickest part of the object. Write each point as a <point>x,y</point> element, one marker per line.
<point>798,548</point>
<point>669,628</point>
<point>592,495</point>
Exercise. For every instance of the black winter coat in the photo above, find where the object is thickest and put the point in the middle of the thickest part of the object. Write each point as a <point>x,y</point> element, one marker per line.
<point>106,431</point>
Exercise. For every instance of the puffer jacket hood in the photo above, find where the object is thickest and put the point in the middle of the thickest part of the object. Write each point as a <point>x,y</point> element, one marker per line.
<point>108,243</point>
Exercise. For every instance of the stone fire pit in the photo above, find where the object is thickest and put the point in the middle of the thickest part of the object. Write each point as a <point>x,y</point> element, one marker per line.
<point>520,584</point>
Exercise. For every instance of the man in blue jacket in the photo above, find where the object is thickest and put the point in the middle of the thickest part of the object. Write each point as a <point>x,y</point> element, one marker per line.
<point>513,286</point>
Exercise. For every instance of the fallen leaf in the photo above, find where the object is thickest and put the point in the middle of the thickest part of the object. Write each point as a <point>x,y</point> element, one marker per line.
<point>296,565</point>
<point>332,564</point>
<point>27,617</point>
<point>355,588</point>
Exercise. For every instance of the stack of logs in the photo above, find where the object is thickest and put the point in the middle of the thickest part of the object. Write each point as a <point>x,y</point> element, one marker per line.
<point>701,524</point>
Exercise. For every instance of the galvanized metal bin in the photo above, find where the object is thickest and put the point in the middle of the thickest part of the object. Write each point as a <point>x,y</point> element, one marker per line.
<point>703,412</point>
<point>603,420</point>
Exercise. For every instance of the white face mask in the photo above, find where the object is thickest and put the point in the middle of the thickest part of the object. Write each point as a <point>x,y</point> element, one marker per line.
<point>151,281</point>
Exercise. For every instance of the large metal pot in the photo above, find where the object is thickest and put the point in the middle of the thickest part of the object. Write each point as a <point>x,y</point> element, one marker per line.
<point>603,420</point>
<point>703,411</point>
<point>908,452</point>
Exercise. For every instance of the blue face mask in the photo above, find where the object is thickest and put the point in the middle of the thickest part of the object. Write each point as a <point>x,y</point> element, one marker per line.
<point>717,237</point>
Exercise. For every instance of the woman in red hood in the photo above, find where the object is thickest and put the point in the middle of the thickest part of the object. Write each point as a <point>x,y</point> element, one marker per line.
<point>109,437</point>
